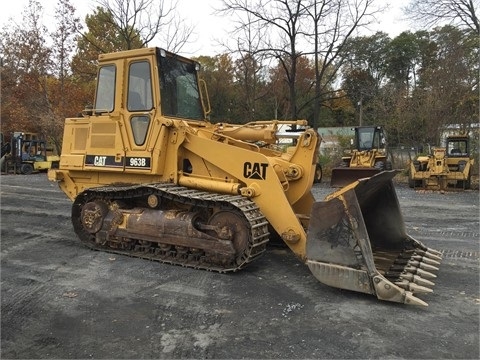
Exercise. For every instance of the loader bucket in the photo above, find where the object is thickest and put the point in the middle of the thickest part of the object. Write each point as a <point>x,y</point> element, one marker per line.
<point>343,176</point>
<point>357,241</point>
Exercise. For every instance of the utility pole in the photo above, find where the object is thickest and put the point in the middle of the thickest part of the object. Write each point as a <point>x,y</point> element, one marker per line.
<point>361,110</point>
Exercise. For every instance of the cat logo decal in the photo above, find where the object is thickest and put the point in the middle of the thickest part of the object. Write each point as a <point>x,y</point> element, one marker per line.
<point>255,170</point>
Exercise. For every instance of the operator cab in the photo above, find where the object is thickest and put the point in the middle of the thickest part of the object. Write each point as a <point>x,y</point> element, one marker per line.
<point>457,147</point>
<point>179,89</point>
<point>369,137</point>
<point>156,82</point>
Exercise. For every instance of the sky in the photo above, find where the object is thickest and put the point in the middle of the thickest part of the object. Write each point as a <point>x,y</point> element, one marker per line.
<point>209,28</point>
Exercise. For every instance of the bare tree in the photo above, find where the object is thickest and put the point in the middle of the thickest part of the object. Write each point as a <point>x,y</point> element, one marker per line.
<point>294,28</point>
<point>144,20</point>
<point>463,13</point>
<point>249,67</point>
<point>68,25</point>
<point>63,40</point>
<point>280,21</point>
<point>334,22</point>
<point>63,37</point>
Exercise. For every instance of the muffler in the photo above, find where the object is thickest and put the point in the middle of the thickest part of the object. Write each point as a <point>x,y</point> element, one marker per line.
<point>357,241</point>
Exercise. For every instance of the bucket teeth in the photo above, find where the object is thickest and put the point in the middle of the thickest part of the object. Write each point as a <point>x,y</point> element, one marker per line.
<point>414,288</point>
<point>409,270</point>
<point>417,280</point>
<point>417,257</point>
<point>417,264</point>
<point>434,252</point>
<point>425,274</point>
<point>411,278</point>
<point>413,300</point>
<point>425,260</point>
<point>413,270</point>
<point>430,253</point>
<point>407,256</point>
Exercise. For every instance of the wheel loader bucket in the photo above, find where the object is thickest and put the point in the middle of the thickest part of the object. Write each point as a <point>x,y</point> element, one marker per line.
<point>346,175</point>
<point>357,241</point>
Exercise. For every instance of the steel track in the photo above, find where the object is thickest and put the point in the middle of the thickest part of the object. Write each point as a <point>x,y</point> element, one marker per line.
<point>183,197</point>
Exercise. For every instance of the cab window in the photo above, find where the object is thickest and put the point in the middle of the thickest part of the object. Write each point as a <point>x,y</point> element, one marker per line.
<point>365,138</point>
<point>179,89</point>
<point>105,97</point>
<point>457,148</point>
<point>139,87</point>
<point>139,126</point>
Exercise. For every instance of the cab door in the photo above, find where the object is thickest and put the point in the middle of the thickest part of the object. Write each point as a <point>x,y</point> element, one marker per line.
<point>140,110</point>
<point>97,139</point>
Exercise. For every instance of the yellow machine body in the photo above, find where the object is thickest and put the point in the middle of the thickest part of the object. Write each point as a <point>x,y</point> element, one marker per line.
<point>445,167</point>
<point>150,176</point>
<point>367,158</point>
<point>27,153</point>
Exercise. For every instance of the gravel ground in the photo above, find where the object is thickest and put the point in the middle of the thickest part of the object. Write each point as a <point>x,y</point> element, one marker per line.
<point>62,300</point>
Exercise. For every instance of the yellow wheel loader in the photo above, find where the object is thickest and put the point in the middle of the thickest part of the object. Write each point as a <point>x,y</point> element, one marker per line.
<point>368,157</point>
<point>445,167</point>
<point>150,176</point>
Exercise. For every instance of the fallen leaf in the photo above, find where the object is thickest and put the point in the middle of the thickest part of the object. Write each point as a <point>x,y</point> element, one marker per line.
<point>70,294</point>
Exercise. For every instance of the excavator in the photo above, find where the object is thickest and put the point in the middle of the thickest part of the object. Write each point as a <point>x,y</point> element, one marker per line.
<point>368,157</point>
<point>150,176</point>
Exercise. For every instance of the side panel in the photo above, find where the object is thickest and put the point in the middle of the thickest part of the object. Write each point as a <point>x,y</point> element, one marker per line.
<point>75,136</point>
<point>105,148</point>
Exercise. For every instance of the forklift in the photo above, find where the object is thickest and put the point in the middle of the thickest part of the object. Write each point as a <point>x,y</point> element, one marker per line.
<point>28,154</point>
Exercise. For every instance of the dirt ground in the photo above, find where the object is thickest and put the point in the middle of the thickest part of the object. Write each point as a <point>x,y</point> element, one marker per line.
<point>62,300</point>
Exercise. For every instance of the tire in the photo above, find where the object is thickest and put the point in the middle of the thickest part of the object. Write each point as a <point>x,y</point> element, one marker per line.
<point>318,174</point>
<point>412,183</point>
<point>467,183</point>
<point>388,165</point>
<point>380,165</point>
<point>26,169</point>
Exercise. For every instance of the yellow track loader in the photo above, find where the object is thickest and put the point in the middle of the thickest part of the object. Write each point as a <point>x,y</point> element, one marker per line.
<point>150,176</point>
<point>445,167</point>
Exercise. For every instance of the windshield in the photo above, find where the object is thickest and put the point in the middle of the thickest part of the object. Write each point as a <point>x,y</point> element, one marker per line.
<point>370,138</point>
<point>457,147</point>
<point>179,92</point>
